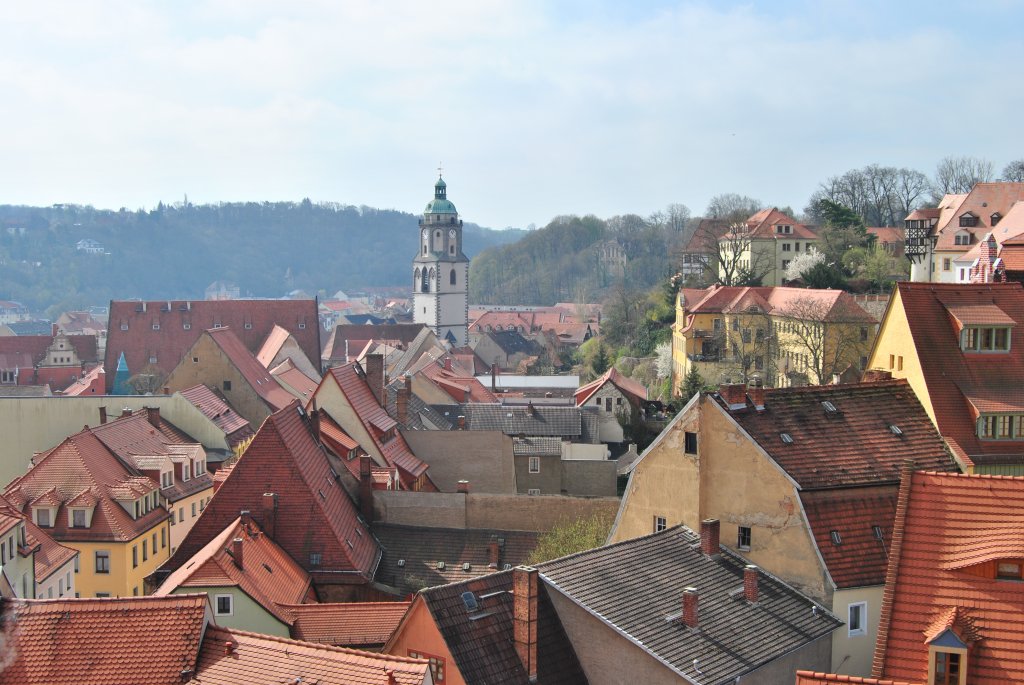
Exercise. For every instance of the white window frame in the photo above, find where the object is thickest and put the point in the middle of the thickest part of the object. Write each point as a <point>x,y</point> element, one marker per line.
<point>533,492</point>
<point>660,524</point>
<point>862,609</point>
<point>534,465</point>
<point>231,605</point>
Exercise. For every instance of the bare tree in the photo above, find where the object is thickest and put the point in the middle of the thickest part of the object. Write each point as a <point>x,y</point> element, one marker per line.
<point>148,381</point>
<point>732,208</point>
<point>736,261</point>
<point>880,195</point>
<point>960,174</point>
<point>1014,171</point>
<point>821,342</point>
<point>745,347</point>
<point>911,188</point>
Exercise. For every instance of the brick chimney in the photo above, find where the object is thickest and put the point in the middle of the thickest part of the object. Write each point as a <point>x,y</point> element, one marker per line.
<point>269,513</point>
<point>734,395</point>
<point>494,377</point>
<point>447,363</point>
<point>493,553</point>
<point>709,537</point>
<point>366,488</point>
<point>103,415</point>
<point>689,617</point>
<point>236,552</point>
<point>246,517</point>
<point>462,486</point>
<point>750,583</point>
<point>153,416</point>
<point>524,618</point>
<point>872,375</point>
<point>756,395</point>
<point>375,376</point>
<point>402,397</point>
<point>390,676</point>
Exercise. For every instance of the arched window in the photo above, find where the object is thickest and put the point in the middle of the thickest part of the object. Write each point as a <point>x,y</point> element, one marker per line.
<point>424,284</point>
<point>416,278</point>
<point>451,277</point>
<point>432,280</point>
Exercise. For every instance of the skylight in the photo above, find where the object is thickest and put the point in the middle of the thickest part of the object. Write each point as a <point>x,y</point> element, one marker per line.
<point>829,407</point>
<point>469,599</point>
<point>896,430</point>
<point>836,538</point>
<point>786,438</point>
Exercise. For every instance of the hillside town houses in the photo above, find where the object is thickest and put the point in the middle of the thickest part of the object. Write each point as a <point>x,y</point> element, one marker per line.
<point>368,489</point>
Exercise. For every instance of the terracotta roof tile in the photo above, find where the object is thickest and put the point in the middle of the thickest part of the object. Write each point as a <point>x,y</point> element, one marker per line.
<point>292,379</point>
<point>50,555</point>
<point>356,624</point>
<point>255,374</point>
<point>983,200</point>
<point>94,641</point>
<point>855,444</point>
<point>817,678</point>
<point>144,329</point>
<point>275,340</point>
<point>264,659</point>
<point>214,407</point>
<point>951,532</point>
<point>623,383</point>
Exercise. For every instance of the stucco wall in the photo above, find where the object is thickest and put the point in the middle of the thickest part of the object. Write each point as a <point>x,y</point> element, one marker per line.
<point>418,633</point>
<point>589,478</point>
<point>484,458</point>
<point>895,340</point>
<point>851,655</point>
<point>609,426</point>
<point>548,480</point>
<point>62,577</point>
<point>246,614</point>
<point>782,671</point>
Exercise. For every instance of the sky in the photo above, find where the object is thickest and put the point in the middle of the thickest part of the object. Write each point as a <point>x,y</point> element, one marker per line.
<point>533,109</point>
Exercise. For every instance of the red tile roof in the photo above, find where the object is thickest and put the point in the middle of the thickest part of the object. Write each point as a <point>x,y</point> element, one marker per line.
<point>799,303</point>
<point>292,379</point>
<point>853,446</point>
<point>103,641</point>
<point>817,678</point>
<point>264,659</point>
<point>623,383</point>
<point>314,513</point>
<point>962,384</point>
<point>456,380</point>
<point>267,574</point>
<point>951,531</point>
<point>214,407</point>
<point>850,515</point>
<point>339,345</point>
<point>158,329</point>
<point>887,234</point>
<point>347,625</point>
<point>272,345</point>
<point>255,374</point>
<point>50,555</point>
<point>763,223</point>
<point>82,462</point>
<point>983,200</point>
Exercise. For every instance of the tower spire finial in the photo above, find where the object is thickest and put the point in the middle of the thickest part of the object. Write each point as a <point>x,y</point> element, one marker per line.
<point>440,170</point>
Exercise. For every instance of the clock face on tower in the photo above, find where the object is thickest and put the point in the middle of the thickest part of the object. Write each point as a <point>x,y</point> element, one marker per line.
<point>451,233</point>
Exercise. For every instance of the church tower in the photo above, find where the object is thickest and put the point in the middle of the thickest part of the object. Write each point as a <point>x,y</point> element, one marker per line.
<point>440,271</point>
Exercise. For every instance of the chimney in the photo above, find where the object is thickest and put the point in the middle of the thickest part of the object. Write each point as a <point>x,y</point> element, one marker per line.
<point>756,395</point>
<point>734,395</point>
<point>462,486</point>
<point>389,674</point>
<point>269,513</point>
<point>524,618</point>
<point>167,390</point>
<point>709,537</point>
<point>153,416</point>
<point>375,376</point>
<point>103,415</point>
<point>366,488</point>
<point>493,552</point>
<point>402,401</point>
<point>53,330</point>
<point>872,375</point>
<point>236,552</point>
<point>246,517</point>
<point>690,608</point>
<point>447,363</point>
<point>494,377</point>
<point>127,411</point>
<point>531,409</point>
<point>462,423</point>
<point>229,647</point>
<point>750,583</point>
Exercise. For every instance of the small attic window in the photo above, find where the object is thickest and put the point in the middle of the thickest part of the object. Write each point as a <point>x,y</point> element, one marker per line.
<point>896,430</point>
<point>995,217</point>
<point>786,438</point>
<point>829,407</point>
<point>836,538</point>
<point>968,220</point>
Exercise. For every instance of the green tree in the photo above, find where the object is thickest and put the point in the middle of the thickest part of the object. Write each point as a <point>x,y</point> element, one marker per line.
<point>822,276</point>
<point>600,363</point>
<point>693,383</point>
<point>572,536</point>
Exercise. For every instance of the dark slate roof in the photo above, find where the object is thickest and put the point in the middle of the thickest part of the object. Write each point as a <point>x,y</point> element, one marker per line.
<point>423,548</point>
<point>513,342</point>
<point>30,327</point>
<point>537,447</point>
<point>481,642</point>
<point>636,587</point>
<point>419,414</point>
<point>555,421</point>
<point>852,446</point>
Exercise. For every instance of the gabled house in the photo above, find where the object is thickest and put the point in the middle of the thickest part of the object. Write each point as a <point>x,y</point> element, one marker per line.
<point>87,499</point>
<point>359,625</point>
<point>677,607</point>
<point>346,341</point>
<point>219,359</point>
<point>286,482</point>
<point>57,360</point>
<point>952,612</point>
<point>960,347</point>
<point>804,483</point>
<point>248,578</point>
<point>281,346</point>
<point>32,564</point>
<point>497,629</point>
<point>155,336</point>
<point>295,380</point>
<point>763,246</point>
<point>619,400</point>
<point>236,428</point>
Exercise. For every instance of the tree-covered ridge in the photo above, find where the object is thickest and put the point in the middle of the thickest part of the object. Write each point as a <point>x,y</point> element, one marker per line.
<point>266,248</point>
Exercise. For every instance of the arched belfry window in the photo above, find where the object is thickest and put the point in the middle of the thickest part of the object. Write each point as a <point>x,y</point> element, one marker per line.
<point>451,277</point>
<point>416,278</point>
<point>424,284</point>
<point>431,280</point>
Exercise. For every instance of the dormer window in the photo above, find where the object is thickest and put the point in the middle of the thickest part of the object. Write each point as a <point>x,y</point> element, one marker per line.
<point>43,518</point>
<point>80,518</point>
<point>985,339</point>
<point>1001,426</point>
<point>994,218</point>
<point>962,238</point>
<point>968,220</point>
<point>1008,570</point>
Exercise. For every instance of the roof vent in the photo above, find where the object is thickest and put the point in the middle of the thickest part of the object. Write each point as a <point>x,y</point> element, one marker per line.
<point>469,599</point>
<point>896,430</point>
<point>466,567</point>
<point>440,566</point>
<point>401,563</point>
<point>836,538</point>
<point>786,438</point>
<point>829,407</point>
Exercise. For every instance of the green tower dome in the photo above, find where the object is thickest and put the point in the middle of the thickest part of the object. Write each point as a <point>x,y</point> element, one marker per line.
<point>440,204</point>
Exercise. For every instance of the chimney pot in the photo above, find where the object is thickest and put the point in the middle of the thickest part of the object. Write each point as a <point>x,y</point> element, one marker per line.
<point>229,647</point>
<point>750,583</point>
<point>269,513</point>
<point>463,486</point>
<point>236,552</point>
<point>246,517</point>
<point>462,423</point>
<point>153,415</point>
<point>493,553</point>
<point>756,395</point>
<point>690,608</point>
<point>872,375</point>
<point>710,530</point>
<point>524,617</point>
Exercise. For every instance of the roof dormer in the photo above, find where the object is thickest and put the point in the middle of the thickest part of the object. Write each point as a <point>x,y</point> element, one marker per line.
<point>80,509</point>
<point>968,220</point>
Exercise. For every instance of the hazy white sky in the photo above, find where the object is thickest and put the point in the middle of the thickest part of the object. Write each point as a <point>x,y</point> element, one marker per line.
<point>534,108</point>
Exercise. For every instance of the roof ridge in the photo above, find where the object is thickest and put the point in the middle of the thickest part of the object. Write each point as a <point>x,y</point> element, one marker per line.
<point>316,645</point>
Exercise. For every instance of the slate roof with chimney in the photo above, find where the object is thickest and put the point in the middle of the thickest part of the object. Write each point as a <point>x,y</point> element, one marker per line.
<point>314,513</point>
<point>963,385</point>
<point>418,415</point>
<point>422,551</point>
<point>481,642</point>
<point>93,641</point>
<point>254,658</point>
<point>167,329</point>
<point>214,407</point>
<point>83,463</point>
<point>570,423</point>
<point>255,374</point>
<point>951,534</point>
<point>735,638</point>
<point>855,445</point>
<point>357,624</point>
<point>263,570</point>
